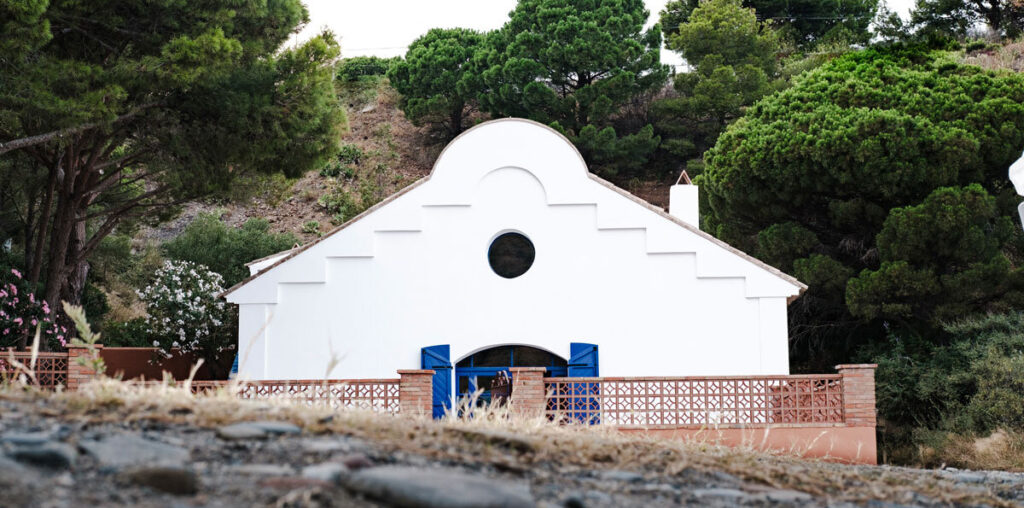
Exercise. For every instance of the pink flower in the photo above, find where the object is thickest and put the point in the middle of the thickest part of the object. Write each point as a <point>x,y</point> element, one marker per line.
<point>46,307</point>
<point>18,321</point>
<point>34,322</point>
<point>7,330</point>
<point>32,297</point>
<point>16,273</point>
<point>14,289</point>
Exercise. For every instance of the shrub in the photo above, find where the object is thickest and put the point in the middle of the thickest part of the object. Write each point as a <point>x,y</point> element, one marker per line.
<point>186,313</point>
<point>224,249</point>
<point>341,164</point>
<point>311,228</point>
<point>21,313</point>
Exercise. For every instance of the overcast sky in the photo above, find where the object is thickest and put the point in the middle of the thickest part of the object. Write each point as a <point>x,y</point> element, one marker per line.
<point>386,27</point>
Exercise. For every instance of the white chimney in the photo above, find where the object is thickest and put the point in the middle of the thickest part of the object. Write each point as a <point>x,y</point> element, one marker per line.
<point>684,202</point>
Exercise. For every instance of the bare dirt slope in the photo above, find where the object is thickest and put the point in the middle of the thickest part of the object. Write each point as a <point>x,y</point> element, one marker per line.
<point>398,154</point>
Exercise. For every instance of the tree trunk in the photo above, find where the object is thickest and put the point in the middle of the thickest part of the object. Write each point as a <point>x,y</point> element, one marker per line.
<point>77,273</point>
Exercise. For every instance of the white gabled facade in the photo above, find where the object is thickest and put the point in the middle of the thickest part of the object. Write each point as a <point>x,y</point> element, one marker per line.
<point>657,295</point>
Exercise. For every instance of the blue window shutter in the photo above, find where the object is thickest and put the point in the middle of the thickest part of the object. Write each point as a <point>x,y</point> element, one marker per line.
<point>234,366</point>
<point>583,360</point>
<point>436,358</point>
<point>583,363</point>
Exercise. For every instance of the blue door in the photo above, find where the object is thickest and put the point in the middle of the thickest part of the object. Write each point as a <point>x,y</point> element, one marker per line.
<point>436,359</point>
<point>586,407</point>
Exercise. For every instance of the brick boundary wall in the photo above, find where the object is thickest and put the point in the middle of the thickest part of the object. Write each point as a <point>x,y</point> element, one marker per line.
<point>79,374</point>
<point>416,392</point>
<point>859,394</point>
<point>849,437</point>
<point>527,398</point>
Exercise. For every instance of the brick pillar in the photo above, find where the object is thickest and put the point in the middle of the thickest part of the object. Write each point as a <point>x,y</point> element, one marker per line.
<point>416,393</point>
<point>79,374</point>
<point>859,394</point>
<point>528,399</point>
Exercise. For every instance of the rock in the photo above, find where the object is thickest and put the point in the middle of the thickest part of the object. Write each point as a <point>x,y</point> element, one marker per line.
<point>597,497</point>
<point>325,445</point>
<point>51,455</point>
<point>356,461</point>
<point>787,496</point>
<point>368,108</point>
<point>121,450</point>
<point>328,471</point>
<point>276,428</point>
<point>729,494</point>
<point>430,488</point>
<point>293,482</point>
<point>969,477</point>
<point>18,484</point>
<point>574,501</point>
<point>621,476</point>
<point>176,480</point>
<point>25,438</point>
<point>262,470</point>
<point>240,431</point>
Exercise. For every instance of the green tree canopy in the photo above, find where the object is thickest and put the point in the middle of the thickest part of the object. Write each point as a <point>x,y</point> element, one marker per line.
<point>733,61</point>
<point>438,78</point>
<point>940,260</point>
<point>573,64</point>
<point>114,109</point>
<point>825,162</point>
<point>804,22</point>
<point>957,18</point>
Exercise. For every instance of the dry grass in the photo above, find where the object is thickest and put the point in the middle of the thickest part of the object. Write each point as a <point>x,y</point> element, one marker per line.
<point>1002,450</point>
<point>1007,57</point>
<point>489,438</point>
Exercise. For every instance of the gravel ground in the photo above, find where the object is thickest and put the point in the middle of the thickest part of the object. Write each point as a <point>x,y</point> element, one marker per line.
<point>55,457</point>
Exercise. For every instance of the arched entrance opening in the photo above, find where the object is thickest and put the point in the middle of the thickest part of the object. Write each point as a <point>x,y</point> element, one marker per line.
<point>478,370</point>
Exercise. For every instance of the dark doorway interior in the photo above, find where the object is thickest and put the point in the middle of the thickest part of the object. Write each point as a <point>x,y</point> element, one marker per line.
<point>477,371</point>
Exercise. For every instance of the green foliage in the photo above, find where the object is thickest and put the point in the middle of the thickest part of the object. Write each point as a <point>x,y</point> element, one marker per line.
<point>733,61</point>
<point>438,78</point>
<point>311,228</point>
<point>941,260</point>
<point>360,68</point>
<point>804,22</point>
<point>572,64</point>
<point>131,333</point>
<point>868,133</point>
<point>224,249</point>
<point>972,383</point>
<point>959,18</point>
<point>342,163</point>
<point>147,105</point>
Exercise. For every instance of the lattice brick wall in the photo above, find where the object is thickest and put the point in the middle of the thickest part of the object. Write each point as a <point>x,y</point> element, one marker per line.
<point>375,394</point>
<point>51,369</point>
<point>696,402</point>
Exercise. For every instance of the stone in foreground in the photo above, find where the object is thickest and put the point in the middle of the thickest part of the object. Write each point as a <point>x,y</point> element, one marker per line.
<point>437,488</point>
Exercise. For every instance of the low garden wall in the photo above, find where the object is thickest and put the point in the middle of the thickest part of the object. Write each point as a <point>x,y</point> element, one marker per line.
<point>829,416</point>
<point>825,416</point>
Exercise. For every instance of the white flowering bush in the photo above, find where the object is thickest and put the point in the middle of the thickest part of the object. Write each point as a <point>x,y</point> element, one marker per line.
<point>185,312</point>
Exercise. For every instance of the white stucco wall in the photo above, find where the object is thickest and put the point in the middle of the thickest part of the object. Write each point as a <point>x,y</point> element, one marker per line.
<point>657,297</point>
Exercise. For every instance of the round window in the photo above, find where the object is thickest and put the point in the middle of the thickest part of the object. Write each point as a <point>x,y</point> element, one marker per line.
<point>511,255</point>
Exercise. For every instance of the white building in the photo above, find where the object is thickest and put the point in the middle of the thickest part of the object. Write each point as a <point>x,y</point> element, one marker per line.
<point>512,253</point>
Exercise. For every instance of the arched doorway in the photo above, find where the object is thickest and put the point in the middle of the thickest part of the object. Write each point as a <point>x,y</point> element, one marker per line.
<point>478,370</point>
